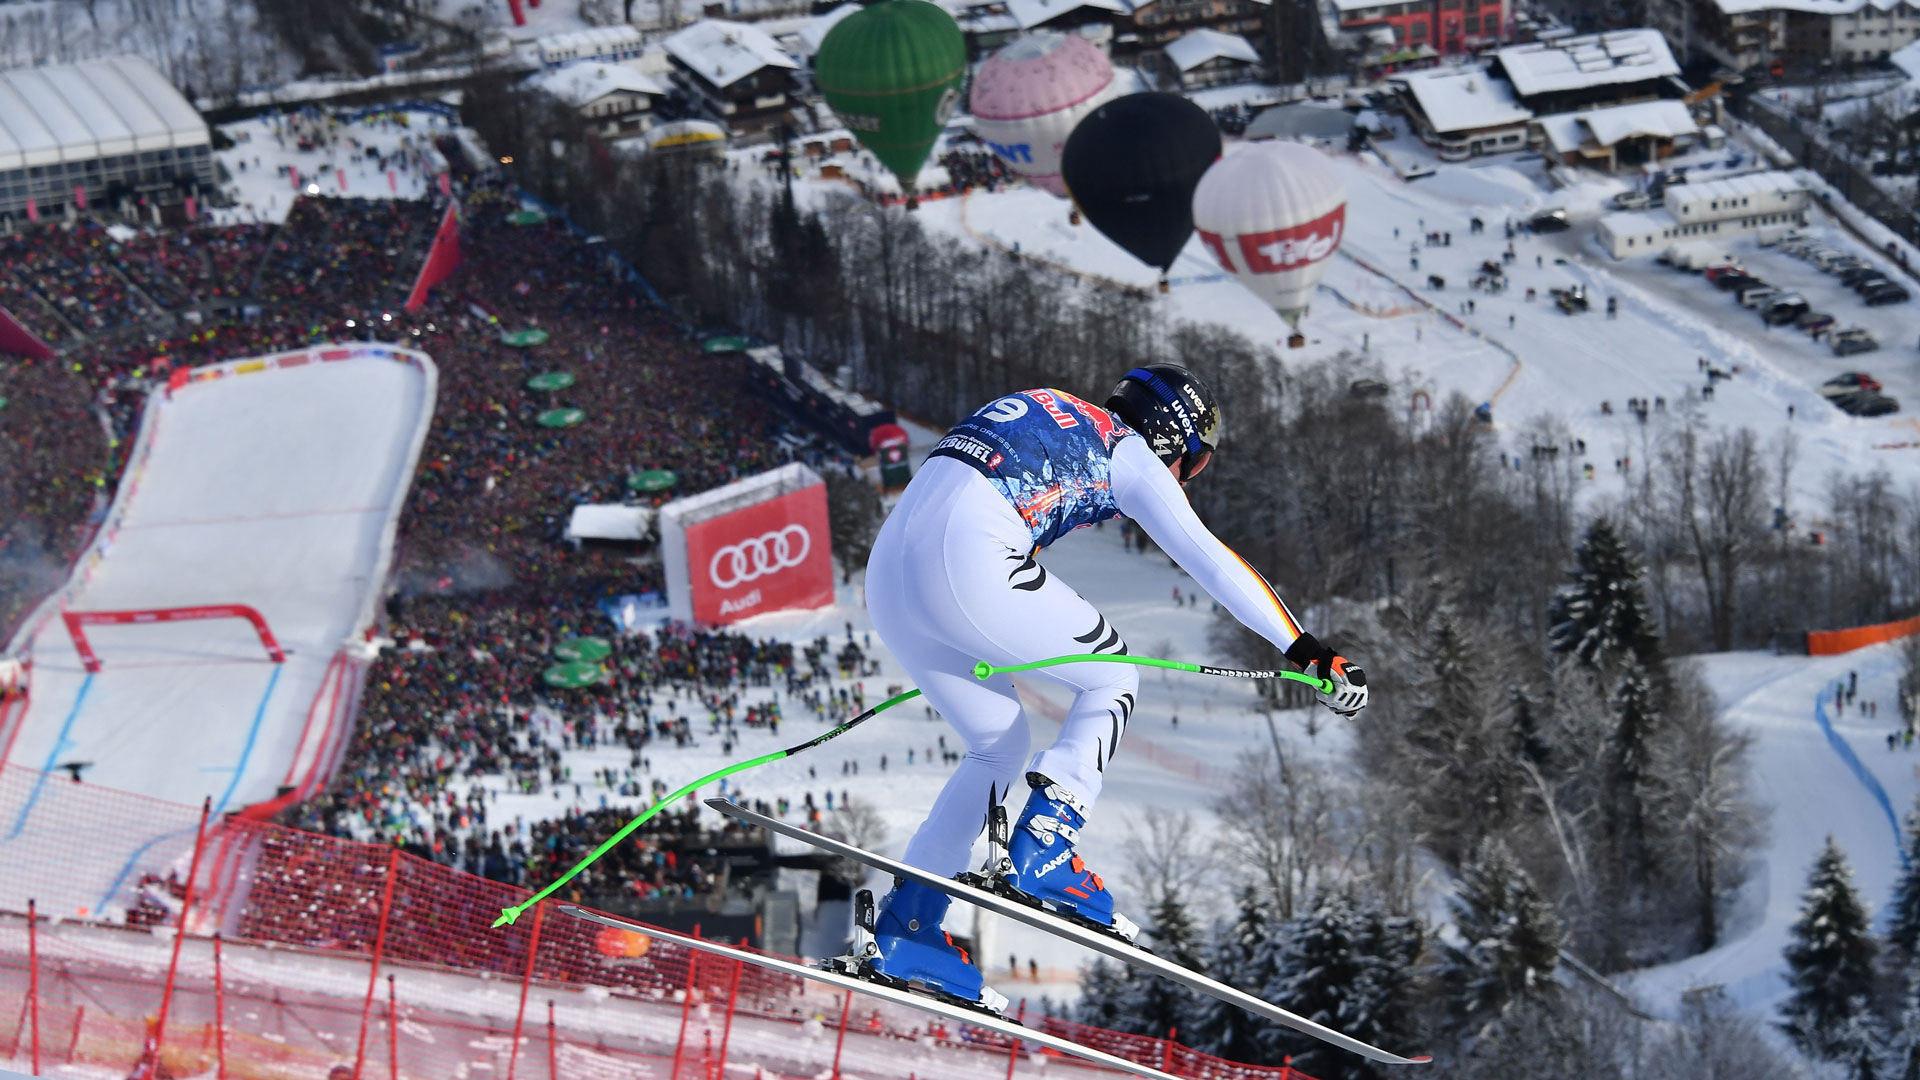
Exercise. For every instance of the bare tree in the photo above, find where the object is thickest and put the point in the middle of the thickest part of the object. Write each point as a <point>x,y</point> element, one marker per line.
<point>1277,823</point>
<point>856,822</point>
<point>1167,857</point>
<point>1716,499</point>
<point>1702,799</point>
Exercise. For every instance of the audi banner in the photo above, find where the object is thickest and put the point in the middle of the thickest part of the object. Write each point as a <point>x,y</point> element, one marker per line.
<point>751,547</point>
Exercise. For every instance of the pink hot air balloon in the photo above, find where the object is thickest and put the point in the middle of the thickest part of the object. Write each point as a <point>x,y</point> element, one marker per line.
<point>1273,213</point>
<point>1029,95</point>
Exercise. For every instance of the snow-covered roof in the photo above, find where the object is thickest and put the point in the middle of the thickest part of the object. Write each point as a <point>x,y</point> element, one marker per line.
<point>1665,119</point>
<point>588,81</point>
<point>1908,60</point>
<point>99,108</point>
<point>1463,98</point>
<point>1351,7</point>
<point>1196,47</point>
<point>1564,131</point>
<point>1619,56</point>
<point>1637,222</point>
<point>815,30</point>
<point>595,41</point>
<point>609,521</point>
<point>723,52</point>
<point>1028,14</point>
<point>1815,7</point>
<point>1734,187</point>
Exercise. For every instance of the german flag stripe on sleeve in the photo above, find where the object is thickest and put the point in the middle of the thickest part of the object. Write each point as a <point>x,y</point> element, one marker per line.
<point>1286,617</point>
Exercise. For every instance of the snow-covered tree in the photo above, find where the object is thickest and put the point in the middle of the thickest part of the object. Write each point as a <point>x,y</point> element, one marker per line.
<point>1903,923</point>
<point>1102,989</point>
<point>1244,952</point>
<point>1829,961</point>
<point>1509,939</point>
<point>1150,1005</point>
<point>1602,617</point>
<point>1636,717</point>
<point>1348,965</point>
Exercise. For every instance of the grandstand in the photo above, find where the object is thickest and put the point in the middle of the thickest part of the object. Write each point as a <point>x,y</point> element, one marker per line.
<point>97,133</point>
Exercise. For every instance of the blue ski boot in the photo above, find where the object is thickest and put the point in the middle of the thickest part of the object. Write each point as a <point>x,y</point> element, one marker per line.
<point>910,950</point>
<point>1042,865</point>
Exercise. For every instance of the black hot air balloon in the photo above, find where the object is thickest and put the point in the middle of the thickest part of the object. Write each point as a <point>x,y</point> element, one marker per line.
<point>1131,166</point>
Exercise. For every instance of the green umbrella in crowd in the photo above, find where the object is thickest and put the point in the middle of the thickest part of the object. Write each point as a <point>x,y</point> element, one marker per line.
<point>589,650</point>
<point>653,480</point>
<point>573,675</point>
<point>521,339</point>
<point>724,344</point>
<point>559,418</point>
<point>551,380</point>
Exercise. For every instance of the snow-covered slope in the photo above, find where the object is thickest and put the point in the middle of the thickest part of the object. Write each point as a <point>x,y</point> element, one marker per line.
<point>276,487</point>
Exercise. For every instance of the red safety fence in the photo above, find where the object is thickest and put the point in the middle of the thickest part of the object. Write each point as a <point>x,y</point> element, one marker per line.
<point>304,952</point>
<point>1834,642</point>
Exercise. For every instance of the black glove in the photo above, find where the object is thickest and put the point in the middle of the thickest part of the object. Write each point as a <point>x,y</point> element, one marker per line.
<point>1348,694</point>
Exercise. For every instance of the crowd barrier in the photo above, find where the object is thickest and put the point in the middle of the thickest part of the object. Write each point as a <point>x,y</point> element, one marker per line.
<point>1835,642</point>
<point>275,953</point>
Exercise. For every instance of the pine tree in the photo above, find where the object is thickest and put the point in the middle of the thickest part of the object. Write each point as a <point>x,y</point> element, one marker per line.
<point>1903,929</point>
<point>1244,952</point>
<point>1348,965</point>
<point>1602,617</point>
<point>1509,939</point>
<point>1102,987</point>
<point>1154,1006</point>
<point>1829,961</point>
<point>1630,748</point>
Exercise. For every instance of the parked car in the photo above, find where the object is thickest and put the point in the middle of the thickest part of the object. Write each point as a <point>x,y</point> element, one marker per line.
<point>1714,272</point>
<point>1737,280</point>
<point>1784,309</point>
<point>1865,285</point>
<point>1547,221</point>
<point>1867,403</point>
<point>1851,382</point>
<point>1632,200</point>
<point>1813,322</point>
<point>1370,388</point>
<point>1757,294</point>
<point>1855,274</point>
<point>1890,293</point>
<point>1826,258</point>
<point>1853,340</point>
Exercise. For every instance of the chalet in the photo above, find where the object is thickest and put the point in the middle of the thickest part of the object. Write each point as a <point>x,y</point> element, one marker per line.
<point>613,99</point>
<point>1155,24</point>
<point>1202,58</point>
<point>1446,26</point>
<point>735,73</point>
<point>1618,137</point>
<point>1463,111</point>
<point>1590,71</point>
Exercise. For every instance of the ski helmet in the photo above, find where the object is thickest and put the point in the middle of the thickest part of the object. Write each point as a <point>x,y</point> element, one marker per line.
<point>1173,410</point>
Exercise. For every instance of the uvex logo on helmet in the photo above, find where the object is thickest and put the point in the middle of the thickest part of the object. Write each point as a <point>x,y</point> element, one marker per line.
<point>737,564</point>
<point>1281,249</point>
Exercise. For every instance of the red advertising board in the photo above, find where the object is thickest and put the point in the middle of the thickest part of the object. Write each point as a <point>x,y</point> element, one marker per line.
<point>766,557</point>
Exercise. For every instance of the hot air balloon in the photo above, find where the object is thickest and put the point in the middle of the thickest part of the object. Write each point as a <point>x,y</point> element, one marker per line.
<point>1131,166</point>
<point>892,74</point>
<point>1273,214</point>
<point>1028,96</point>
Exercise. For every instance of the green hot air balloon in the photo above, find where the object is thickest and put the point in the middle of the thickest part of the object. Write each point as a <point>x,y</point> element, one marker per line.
<point>892,73</point>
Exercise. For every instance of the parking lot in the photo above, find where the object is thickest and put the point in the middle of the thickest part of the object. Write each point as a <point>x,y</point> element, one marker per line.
<point>1896,326</point>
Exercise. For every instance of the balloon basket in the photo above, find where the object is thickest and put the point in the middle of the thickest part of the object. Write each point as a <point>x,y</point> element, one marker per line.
<point>1073,217</point>
<point>1164,287</point>
<point>913,202</point>
<point>1296,340</point>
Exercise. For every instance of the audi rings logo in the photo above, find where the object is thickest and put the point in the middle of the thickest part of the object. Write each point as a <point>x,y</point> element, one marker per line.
<point>737,564</point>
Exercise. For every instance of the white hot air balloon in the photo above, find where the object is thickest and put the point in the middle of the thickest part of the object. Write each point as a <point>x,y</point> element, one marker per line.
<point>1029,95</point>
<point>1273,213</point>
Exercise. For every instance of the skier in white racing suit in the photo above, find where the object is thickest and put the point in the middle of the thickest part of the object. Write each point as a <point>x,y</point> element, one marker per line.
<point>953,580</point>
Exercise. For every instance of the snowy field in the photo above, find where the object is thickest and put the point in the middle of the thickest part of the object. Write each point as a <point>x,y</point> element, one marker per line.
<point>276,489</point>
<point>268,170</point>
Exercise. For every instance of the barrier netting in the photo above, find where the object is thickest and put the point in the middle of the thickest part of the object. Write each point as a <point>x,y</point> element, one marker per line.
<point>303,952</point>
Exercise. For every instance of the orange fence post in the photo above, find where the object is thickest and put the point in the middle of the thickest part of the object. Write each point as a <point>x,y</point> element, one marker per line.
<point>393,1034</point>
<point>726,1029</point>
<point>526,983</point>
<point>33,981</point>
<point>379,948</point>
<point>73,1041</point>
<point>219,1011</point>
<point>553,1040</point>
<point>1166,1050</point>
<point>846,1008</point>
<point>686,1009</point>
<point>180,933</point>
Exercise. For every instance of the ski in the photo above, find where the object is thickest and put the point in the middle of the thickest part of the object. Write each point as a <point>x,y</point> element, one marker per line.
<point>960,1014</point>
<point>1100,941</point>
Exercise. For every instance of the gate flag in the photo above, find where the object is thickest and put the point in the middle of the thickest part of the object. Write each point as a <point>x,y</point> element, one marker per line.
<point>442,258</point>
